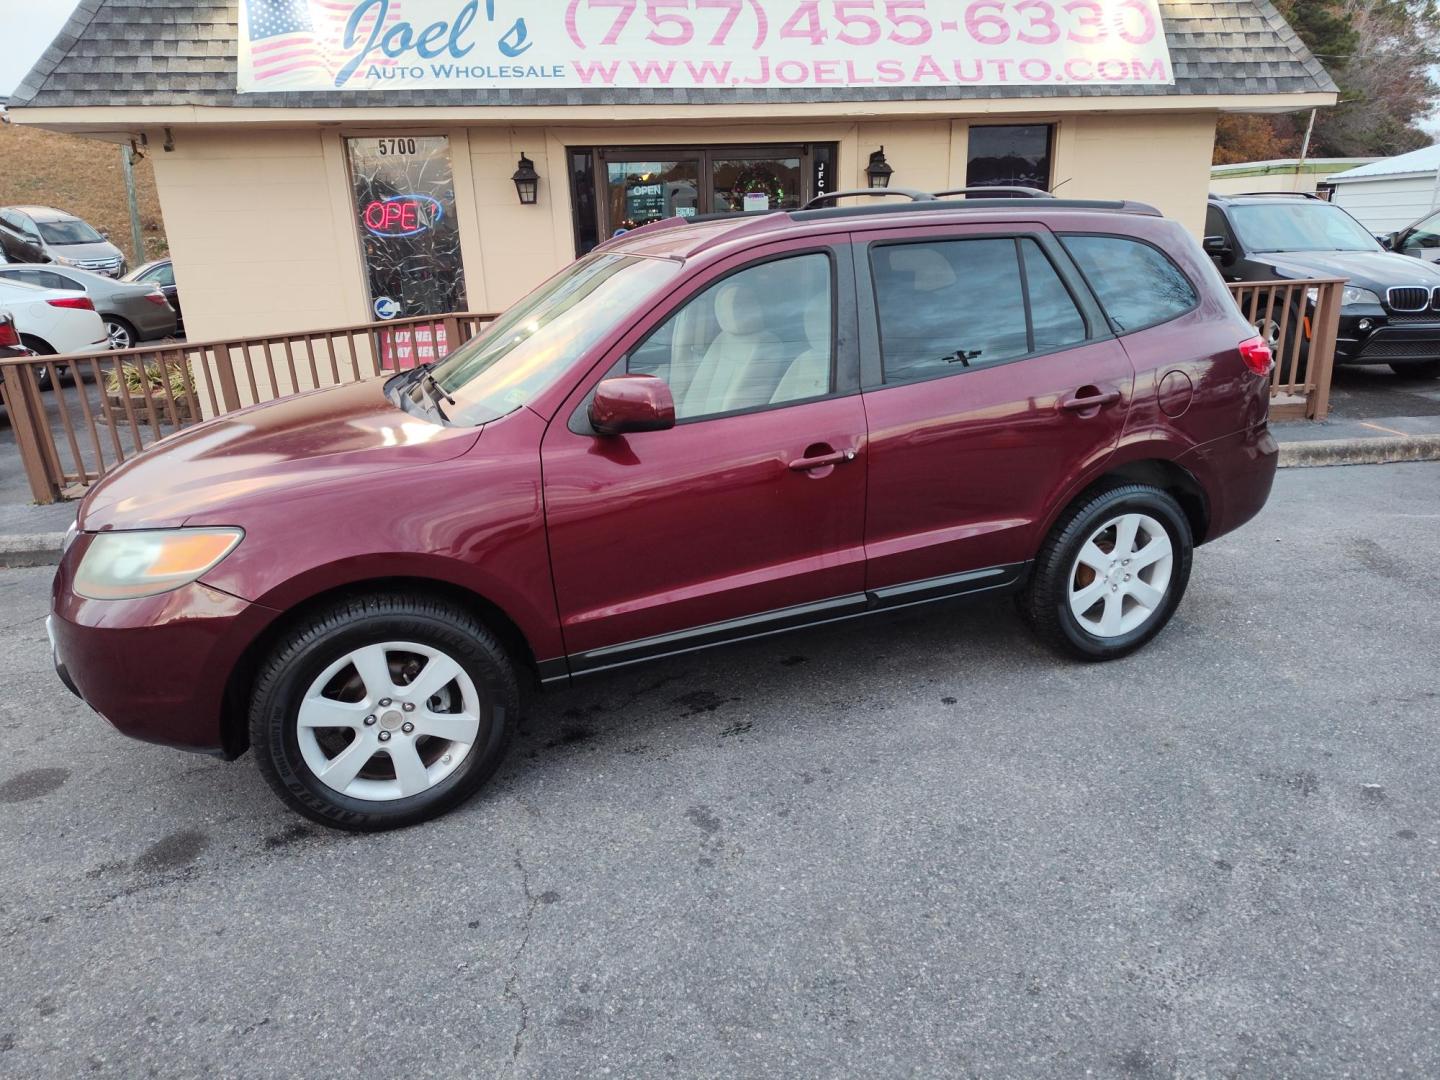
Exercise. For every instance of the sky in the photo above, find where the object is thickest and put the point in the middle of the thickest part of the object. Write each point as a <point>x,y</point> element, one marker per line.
<point>26,28</point>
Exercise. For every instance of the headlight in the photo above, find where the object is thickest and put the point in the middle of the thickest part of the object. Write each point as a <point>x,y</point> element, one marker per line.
<point>1354,296</point>
<point>63,261</point>
<point>126,565</point>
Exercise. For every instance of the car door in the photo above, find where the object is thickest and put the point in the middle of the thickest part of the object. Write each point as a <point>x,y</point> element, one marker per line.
<point>748,515</point>
<point>992,381</point>
<point>1421,240</point>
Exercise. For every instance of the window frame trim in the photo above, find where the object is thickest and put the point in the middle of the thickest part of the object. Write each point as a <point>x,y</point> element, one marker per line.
<point>1096,322</point>
<point>844,336</point>
<point>1116,329</point>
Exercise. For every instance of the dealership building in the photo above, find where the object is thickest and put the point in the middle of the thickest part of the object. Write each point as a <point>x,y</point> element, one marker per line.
<point>326,162</point>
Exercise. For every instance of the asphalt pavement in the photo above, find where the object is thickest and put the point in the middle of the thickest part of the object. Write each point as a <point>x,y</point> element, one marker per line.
<point>924,847</point>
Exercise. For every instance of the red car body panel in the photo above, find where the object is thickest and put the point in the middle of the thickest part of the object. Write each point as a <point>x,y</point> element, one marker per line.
<point>601,550</point>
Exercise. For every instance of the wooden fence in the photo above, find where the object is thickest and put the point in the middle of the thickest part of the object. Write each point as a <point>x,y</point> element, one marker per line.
<point>78,417</point>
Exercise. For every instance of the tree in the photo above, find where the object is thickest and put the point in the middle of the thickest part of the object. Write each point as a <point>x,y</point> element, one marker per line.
<point>1381,54</point>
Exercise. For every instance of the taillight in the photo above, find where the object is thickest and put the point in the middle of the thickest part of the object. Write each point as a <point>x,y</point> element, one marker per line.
<point>8,336</point>
<point>157,298</point>
<point>1257,355</point>
<point>83,303</point>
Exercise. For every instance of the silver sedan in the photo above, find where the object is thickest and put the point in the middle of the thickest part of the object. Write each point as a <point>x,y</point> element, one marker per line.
<point>133,311</point>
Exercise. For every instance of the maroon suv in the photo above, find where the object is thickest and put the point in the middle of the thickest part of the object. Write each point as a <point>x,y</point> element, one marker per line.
<point>702,432</point>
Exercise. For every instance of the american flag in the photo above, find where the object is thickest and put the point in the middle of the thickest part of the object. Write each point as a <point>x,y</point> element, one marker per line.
<point>294,42</point>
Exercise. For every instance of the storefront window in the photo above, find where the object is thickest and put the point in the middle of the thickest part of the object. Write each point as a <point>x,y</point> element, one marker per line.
<point>405,216</point>
<point>1013,155</point>
<point>618,189</point>
<point>756,183</point>
<point>639,192</point>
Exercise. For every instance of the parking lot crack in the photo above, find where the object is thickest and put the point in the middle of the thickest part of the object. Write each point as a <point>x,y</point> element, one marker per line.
<point>512,983</point>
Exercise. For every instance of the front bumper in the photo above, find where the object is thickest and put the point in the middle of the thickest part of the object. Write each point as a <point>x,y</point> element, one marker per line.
<point>1382,339</point>
<point>156,668</point>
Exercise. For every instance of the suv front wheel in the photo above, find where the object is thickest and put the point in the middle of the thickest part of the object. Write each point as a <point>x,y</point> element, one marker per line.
<point>1111,573</point>
<point>383,711</point>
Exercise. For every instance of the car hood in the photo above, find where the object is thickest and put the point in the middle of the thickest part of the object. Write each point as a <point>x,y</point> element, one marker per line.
<point>282,449</point>
<point>1373,270</point>
<point>99,249</point>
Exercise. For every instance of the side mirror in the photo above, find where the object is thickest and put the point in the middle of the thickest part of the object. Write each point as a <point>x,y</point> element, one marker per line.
<point>626,403</point>
<point>104,233</point>
<point>1217,247</point>
<point>1388,241</point>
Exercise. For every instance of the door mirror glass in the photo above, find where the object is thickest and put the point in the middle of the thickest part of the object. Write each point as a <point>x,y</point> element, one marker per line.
<point>1217,247</point>
<point>629,403</point>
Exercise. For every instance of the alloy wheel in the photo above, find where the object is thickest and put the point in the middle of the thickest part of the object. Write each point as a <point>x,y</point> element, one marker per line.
<point>119,334</point>
<point>1121,575</point>
<point>388,721</point>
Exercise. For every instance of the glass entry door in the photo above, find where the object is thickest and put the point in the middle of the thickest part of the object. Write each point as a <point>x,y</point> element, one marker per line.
<point>635,186</point>
<point>639,190</point>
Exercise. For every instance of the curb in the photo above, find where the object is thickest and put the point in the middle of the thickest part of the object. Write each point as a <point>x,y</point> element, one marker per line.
<point>42,549</point>
<point>1381,450</point>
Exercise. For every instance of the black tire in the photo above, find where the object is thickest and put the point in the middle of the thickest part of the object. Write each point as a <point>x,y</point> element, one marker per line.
<point>115,325</point>
<point>40,347</point>
<point>1045,601</point>
<point>1425,369</point>
<point>320,640</point>
<point>1282,344</point>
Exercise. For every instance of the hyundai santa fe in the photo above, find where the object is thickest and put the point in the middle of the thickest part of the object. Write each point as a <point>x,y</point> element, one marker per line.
<point>702,432</point>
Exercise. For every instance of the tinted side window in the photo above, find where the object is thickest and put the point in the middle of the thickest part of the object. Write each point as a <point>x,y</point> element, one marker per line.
<point>1216,225</point>
<point>1137,284</point>
<point>1055,320</point>
<point>950,305</point>
<point>161,275</point>
<point>763,336</point>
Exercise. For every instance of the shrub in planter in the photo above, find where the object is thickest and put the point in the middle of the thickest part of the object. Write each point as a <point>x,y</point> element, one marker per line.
<point>131,382</point>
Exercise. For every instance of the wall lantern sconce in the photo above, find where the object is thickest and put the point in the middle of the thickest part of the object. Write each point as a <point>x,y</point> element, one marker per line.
<point>879,170</point>
<point>527,182</point>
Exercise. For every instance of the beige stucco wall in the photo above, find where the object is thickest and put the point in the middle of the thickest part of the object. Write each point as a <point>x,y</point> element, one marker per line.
<point>262,224</point>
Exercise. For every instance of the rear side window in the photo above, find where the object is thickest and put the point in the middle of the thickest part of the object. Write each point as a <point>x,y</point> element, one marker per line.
<point>950,305</point>
<point>1137,284</point>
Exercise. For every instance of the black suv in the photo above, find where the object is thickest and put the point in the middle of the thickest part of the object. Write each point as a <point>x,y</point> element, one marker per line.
<point>1391,308</point>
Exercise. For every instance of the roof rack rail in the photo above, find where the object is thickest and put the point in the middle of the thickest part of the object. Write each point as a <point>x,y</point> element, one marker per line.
<point>910,193</point>
<point>1281,194</point>
<point>997,191</point>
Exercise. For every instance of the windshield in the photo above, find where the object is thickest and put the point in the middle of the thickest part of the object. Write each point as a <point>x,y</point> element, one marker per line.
<point>527,347</point>
<point>1306,226</point>
<point>68,231</point>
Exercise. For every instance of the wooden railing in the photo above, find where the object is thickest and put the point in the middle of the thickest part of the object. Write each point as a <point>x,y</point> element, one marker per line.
<point>78,417</point>
<point>1300,320</point>
<point>100,409</point>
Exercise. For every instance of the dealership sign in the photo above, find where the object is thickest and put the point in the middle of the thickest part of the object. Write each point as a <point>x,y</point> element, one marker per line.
<point>740,44</point>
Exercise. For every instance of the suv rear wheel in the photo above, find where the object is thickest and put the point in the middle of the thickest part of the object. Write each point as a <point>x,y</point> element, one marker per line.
<point>1111,573</point>
<point>383,711</point>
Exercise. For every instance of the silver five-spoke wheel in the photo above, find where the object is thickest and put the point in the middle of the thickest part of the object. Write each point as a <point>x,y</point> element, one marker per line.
<point>1121,575</point>
<point>388,721</point>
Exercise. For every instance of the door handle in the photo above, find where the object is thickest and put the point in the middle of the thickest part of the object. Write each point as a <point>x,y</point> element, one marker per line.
<point>1090,398</point>
<point>836,457</point>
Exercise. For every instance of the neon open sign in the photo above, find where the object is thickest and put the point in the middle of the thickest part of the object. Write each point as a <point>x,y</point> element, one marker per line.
<point>403,215</point>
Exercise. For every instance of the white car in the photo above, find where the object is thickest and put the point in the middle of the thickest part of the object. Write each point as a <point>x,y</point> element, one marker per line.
<point>54,320</point>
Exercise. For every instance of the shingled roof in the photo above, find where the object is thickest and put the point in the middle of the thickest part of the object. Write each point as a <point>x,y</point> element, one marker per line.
<point>183,52</point>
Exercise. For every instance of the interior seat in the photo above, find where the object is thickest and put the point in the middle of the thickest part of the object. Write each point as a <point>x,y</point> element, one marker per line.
<point>734,368</point>
<point>809,373</point>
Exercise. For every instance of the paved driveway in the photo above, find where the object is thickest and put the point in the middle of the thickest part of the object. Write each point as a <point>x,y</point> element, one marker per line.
<point>919,848</point>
